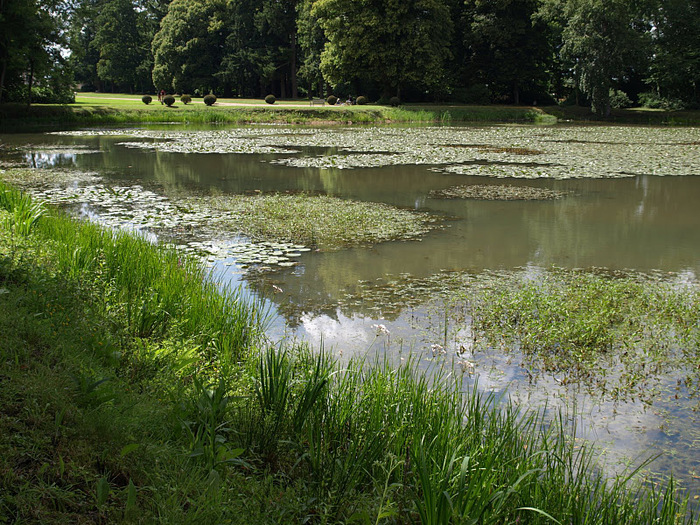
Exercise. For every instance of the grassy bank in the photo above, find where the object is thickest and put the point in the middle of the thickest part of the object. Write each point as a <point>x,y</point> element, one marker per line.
<point>114,112</point>
<point>134,391</point>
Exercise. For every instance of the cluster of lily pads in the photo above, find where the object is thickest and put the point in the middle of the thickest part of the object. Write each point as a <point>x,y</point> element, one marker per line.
<point>496,193</point>
<point>264,255</point>
<point>495,151</point>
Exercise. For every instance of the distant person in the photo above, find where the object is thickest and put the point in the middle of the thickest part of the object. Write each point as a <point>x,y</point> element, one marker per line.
<point>161,94</point>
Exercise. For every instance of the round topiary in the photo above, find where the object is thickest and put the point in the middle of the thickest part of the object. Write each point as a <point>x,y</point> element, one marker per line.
<point>332,100</point>
<point>168,100</point>
<point>361,100</point>
<point>147,99</point>
<point>394,101</point>
<point>186,99</point>
<point>209,99</point>
<point>270,99</point>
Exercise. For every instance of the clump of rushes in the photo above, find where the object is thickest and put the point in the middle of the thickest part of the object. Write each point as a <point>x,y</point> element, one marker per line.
<point>319,220</point>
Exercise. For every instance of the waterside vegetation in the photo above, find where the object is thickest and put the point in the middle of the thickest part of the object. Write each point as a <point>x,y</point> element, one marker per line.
<point>126,111</point>
<point>136,391</point>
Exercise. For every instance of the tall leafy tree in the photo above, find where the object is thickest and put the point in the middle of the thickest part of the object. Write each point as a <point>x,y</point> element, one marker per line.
<point>675,67</point>
<point>394,43</point>
<point>277,26</point>
<point>188,47</point>
<point>244,61</point>
<point>123,45</point>
<point>312,40</point>
<point>601,39</point>
<point>30,41</point>
<point>507,45</point>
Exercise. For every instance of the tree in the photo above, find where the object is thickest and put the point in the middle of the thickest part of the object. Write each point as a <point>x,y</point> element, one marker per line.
<point>311,41</point>
<point>507,46</point>
<point>30,40</point>
<point>393,43</point>
<point>675,67</point>
<point>188,47</point>
<point>123,45</point>
<point>602,39</point>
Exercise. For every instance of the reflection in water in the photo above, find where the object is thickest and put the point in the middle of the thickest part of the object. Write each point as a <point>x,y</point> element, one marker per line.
<point>643,223</point>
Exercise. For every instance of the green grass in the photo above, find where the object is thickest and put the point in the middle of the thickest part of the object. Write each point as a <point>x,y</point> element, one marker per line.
<point>110,416</point>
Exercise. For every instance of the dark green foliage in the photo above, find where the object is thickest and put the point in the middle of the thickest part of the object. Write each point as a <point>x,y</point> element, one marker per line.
<point>619,99</point>
<point>168,100</point>
<point>361,100</point>
<point>395,102</point>
<point>654,101</point>
<point>147,99</point>
<point>186,99</point>
<point>331,100</point>
<point>270,99</point>
<point>209,99</point>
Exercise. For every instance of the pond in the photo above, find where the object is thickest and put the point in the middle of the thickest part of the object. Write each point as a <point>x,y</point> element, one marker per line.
<point>505,202</point>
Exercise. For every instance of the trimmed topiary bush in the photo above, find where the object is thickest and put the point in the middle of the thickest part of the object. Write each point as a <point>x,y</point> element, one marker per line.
<point>147,99</point>
<point>394,101</point>
<point>270,99</point>
<point>209,99</point>
<point>332,100</point>
<point>361,100</point>
<point>168,100</point>
<point>186,99</point>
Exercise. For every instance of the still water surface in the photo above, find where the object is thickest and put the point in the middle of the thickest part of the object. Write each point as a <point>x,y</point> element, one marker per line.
<point>643,222</point>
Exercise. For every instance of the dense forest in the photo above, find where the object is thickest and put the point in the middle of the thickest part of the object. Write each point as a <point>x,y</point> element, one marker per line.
<point>598,53</point>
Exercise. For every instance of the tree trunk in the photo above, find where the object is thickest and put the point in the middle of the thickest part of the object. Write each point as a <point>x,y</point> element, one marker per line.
<point>2,78</point>
<point>293,66</point>
<point>516,93</point>
<point>31,81</point>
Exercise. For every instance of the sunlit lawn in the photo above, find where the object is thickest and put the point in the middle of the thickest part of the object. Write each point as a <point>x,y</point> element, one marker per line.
<point>126,100</point>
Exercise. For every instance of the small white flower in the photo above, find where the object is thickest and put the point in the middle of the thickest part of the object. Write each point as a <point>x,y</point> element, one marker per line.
<point>438,349</point>
<point>381,329</point>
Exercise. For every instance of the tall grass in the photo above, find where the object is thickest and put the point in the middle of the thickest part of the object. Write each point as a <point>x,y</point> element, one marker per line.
<point>433,448</point>
<point>154,291</point>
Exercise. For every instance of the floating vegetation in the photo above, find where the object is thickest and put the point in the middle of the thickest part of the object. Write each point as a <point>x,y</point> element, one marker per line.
<point>495,151</point>
<point>263,255</point>
<point>497,193</point>
<point>619,336</point>
<point>316,220</point>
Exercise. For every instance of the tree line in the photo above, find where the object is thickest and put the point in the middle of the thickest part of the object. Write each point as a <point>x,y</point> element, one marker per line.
<point>601,53</point>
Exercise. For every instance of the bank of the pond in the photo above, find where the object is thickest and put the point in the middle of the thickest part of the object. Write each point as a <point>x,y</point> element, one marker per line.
<point>134,391</point>
<point>20,117</point>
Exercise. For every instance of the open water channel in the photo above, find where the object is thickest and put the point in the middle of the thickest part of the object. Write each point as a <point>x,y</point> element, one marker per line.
<point>618,198</point>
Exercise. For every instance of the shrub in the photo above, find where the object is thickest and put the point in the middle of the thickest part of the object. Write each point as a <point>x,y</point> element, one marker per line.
<point>332,100</point>
<point>147,99</point>
<point>619,99</point>
<point>270,99</point>
<point>168,100</point>
<point>655,101</point>
<point>209,99</point>
<point>186,99</point>
<point>394,101</point>
<point>361,100</point>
